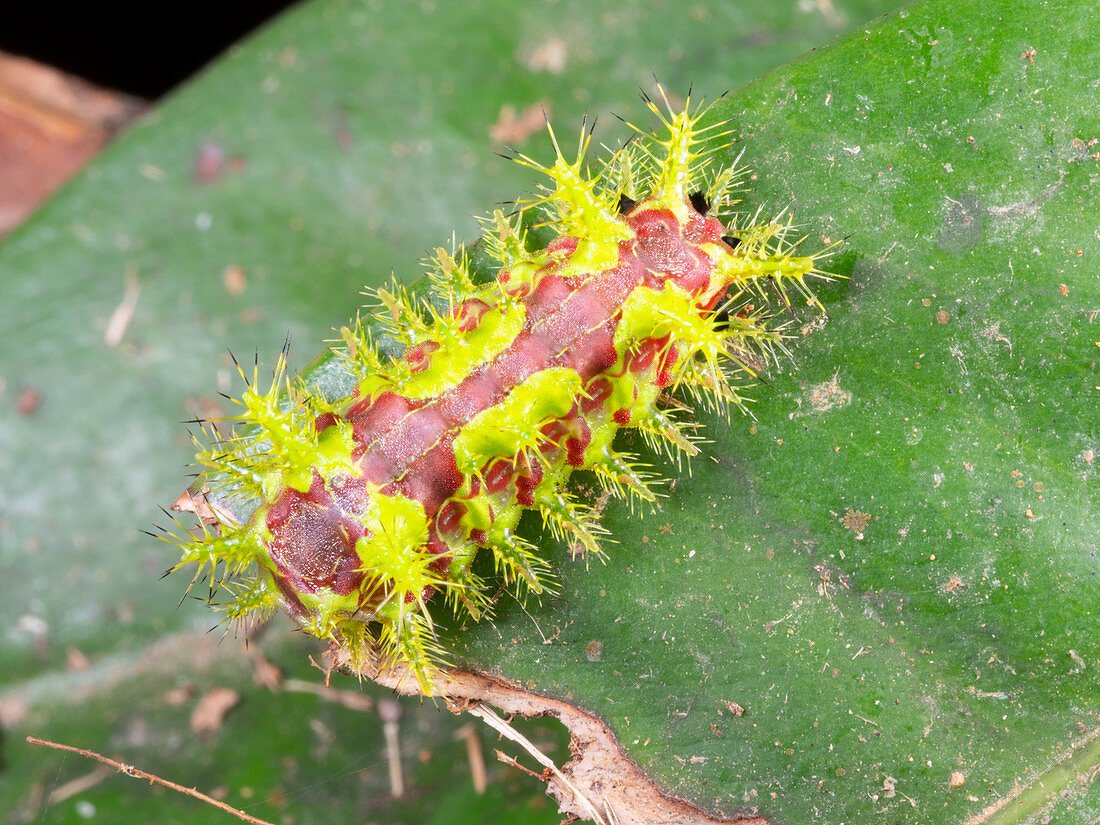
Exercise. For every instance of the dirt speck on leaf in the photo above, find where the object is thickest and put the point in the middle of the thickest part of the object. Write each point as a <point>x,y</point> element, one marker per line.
<point>829,395</point>
<point>234,279</point>
<point>963,222</point>
<point>593,651</point>
<point>124,312</point>
<point>211,709</point>
<point>209,162</point>
<point>856,520</point>
<point>28,402</point>
<point>993,333</point>
<point>513,128</point>
<point>550,55</point>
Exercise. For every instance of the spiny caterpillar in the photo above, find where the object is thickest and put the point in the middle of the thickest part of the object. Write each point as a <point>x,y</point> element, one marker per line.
<point>368,505</point>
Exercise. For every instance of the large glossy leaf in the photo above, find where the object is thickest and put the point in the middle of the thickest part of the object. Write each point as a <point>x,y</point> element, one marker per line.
<point>335,147</point>
<point>895,568</point>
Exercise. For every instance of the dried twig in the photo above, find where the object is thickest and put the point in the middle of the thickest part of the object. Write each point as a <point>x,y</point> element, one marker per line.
<point>348,698</point>
<point>511,760</point>
<point>468,733</point>
<point>490,718</point>
<point>137,773</point>
<point>390,712</point>
<point>79,785</point>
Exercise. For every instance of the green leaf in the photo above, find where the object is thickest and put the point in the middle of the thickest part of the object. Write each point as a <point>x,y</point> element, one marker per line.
<point>895,569</point>
<point>352,139</point>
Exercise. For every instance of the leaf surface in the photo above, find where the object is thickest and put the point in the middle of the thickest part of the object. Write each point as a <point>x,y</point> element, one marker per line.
<point>894,568</point>
<point>335,147</point>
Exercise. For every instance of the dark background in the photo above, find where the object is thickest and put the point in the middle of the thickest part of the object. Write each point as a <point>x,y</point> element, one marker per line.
<point>144,50</point>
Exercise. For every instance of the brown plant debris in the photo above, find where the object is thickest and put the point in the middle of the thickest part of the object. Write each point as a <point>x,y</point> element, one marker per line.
<point>828,395</point>
<point>137,773</point>
<point>551,55</point>
<point>478,775</point>
<point>28,402</point>
<point>352,700</point>
<point>211,709</point>
<point>124,312</point>
<point>600,784</point>
<point>512,127</point>
<point>51,124</point>
<point>856,520</point>
<point>735,709</point>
